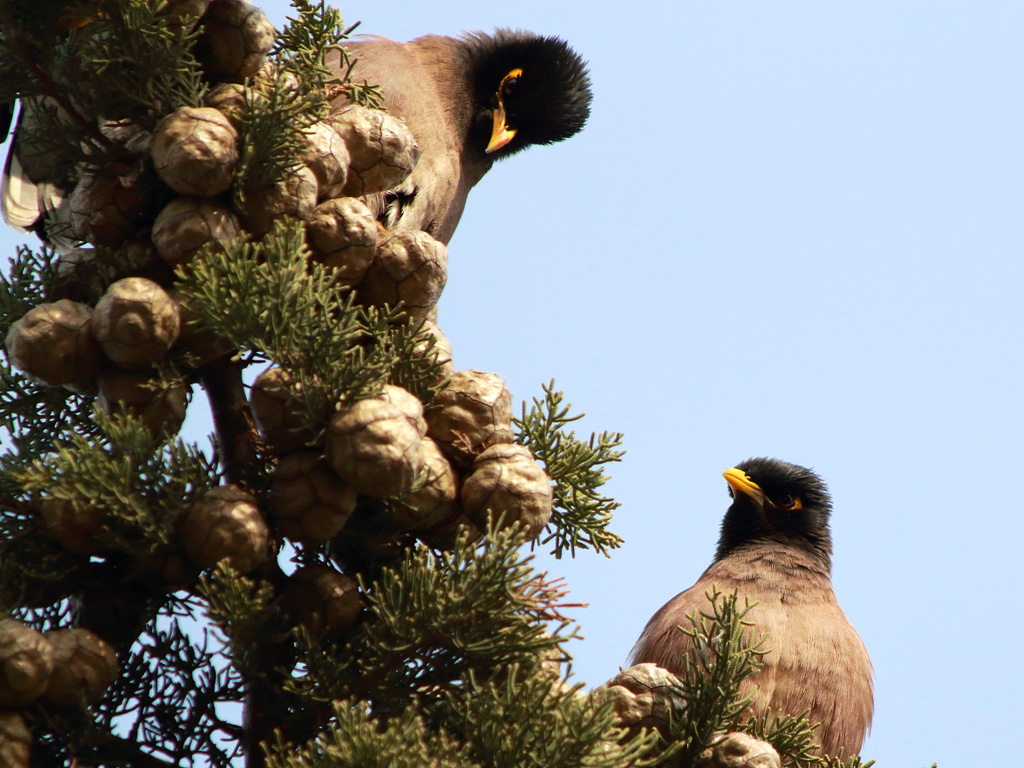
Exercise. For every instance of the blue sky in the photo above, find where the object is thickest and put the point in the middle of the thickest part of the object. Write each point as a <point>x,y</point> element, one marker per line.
<point>790,229</point>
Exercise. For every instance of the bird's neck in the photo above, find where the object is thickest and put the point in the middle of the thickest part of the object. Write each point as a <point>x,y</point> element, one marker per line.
<point>468,126</point>
<point>450,59</point>
<point>781,558</point>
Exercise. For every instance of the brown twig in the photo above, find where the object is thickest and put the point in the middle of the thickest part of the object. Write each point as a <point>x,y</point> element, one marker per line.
<point>233,421</point>
<point>118,751</point>
<point>546,596</point>
<point>238,444</point>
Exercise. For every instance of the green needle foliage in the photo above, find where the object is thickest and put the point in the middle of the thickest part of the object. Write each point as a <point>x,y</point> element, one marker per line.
<point>581,515</point>
<point>241,609</point>
<point>459,638</point>
<point>142,58</point>
<point>296,314</point>
<point>792,736</point>
<point>126,478</point>
<point>140,66</point>
<point>304,43</point>
<point>724,655</point>
<point>360,740</point>
<point>173,694</point>
<point>438,615</point>
<point>30,280</point>
<point>518,719</point>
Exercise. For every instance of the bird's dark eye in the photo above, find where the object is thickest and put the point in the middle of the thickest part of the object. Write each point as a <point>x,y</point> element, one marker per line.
<point>788,502</point>
<point>510,82</point>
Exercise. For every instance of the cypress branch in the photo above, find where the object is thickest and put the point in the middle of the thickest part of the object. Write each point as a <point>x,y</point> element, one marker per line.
<point>581,515</point>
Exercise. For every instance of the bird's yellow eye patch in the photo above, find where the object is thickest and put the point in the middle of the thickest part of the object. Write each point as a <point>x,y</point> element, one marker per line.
<point>510,79</point>
<point>793,503</point>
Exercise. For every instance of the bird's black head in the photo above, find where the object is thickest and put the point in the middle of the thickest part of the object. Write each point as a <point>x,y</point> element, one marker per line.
<point>529,89</point>
<point>776,501</point>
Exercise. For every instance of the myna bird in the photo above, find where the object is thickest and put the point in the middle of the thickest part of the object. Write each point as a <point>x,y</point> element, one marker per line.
<point>775,548</point>
<point>469,101</point>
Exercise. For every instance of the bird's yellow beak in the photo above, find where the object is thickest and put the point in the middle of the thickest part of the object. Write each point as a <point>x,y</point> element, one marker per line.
<point>740,483</point>
<point>501,134</point>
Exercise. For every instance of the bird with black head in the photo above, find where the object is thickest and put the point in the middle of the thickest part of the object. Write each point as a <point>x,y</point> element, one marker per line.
<point>775,547</point>
<point>468,101</point>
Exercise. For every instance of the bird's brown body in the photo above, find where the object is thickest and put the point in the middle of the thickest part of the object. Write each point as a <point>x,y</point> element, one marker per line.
<point>816,659</point>
<point>455,94</point>
<point>423,82</point>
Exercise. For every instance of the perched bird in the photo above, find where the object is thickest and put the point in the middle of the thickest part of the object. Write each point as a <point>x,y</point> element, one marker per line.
<point>775,548</point>
<point>469,101</point>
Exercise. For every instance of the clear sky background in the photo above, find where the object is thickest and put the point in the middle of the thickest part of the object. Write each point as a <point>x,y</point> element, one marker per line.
<point>792,229</point>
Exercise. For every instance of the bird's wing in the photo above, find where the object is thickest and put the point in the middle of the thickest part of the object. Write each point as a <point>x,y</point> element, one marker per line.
<point>663,642</point>
<point>23,202</point>
<point>30,187</point>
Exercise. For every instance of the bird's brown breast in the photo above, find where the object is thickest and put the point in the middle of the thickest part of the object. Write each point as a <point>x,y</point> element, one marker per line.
<point>817,660</point>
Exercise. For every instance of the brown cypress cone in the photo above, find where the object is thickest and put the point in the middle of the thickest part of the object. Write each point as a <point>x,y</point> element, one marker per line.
<point>432,502</point>
<point>326,155</point>
<point>161,409</point>
<point>108,207</point>
<point>74,528</point>
<point>225,522</point>
<point>738,750</point>
<point>342,234</point>
<point>293,197</point>
<point>440,351</point>
<point>84,667</point>
<point>15,741</point>
<point>374,448</point>
<point>381,149</point>
<point>643,696</point>
<point>507,483</point>
<point>187,223</point>
<point>471,412</point>
<point>54,343</point>
<point>308,501</point>
<point>322,600</point>
<point>136,322</point>
<point>195,151</point>
<point>280,414</point>
<point>235,41</point>
<point>410,268</point>
<point>26,663</point>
